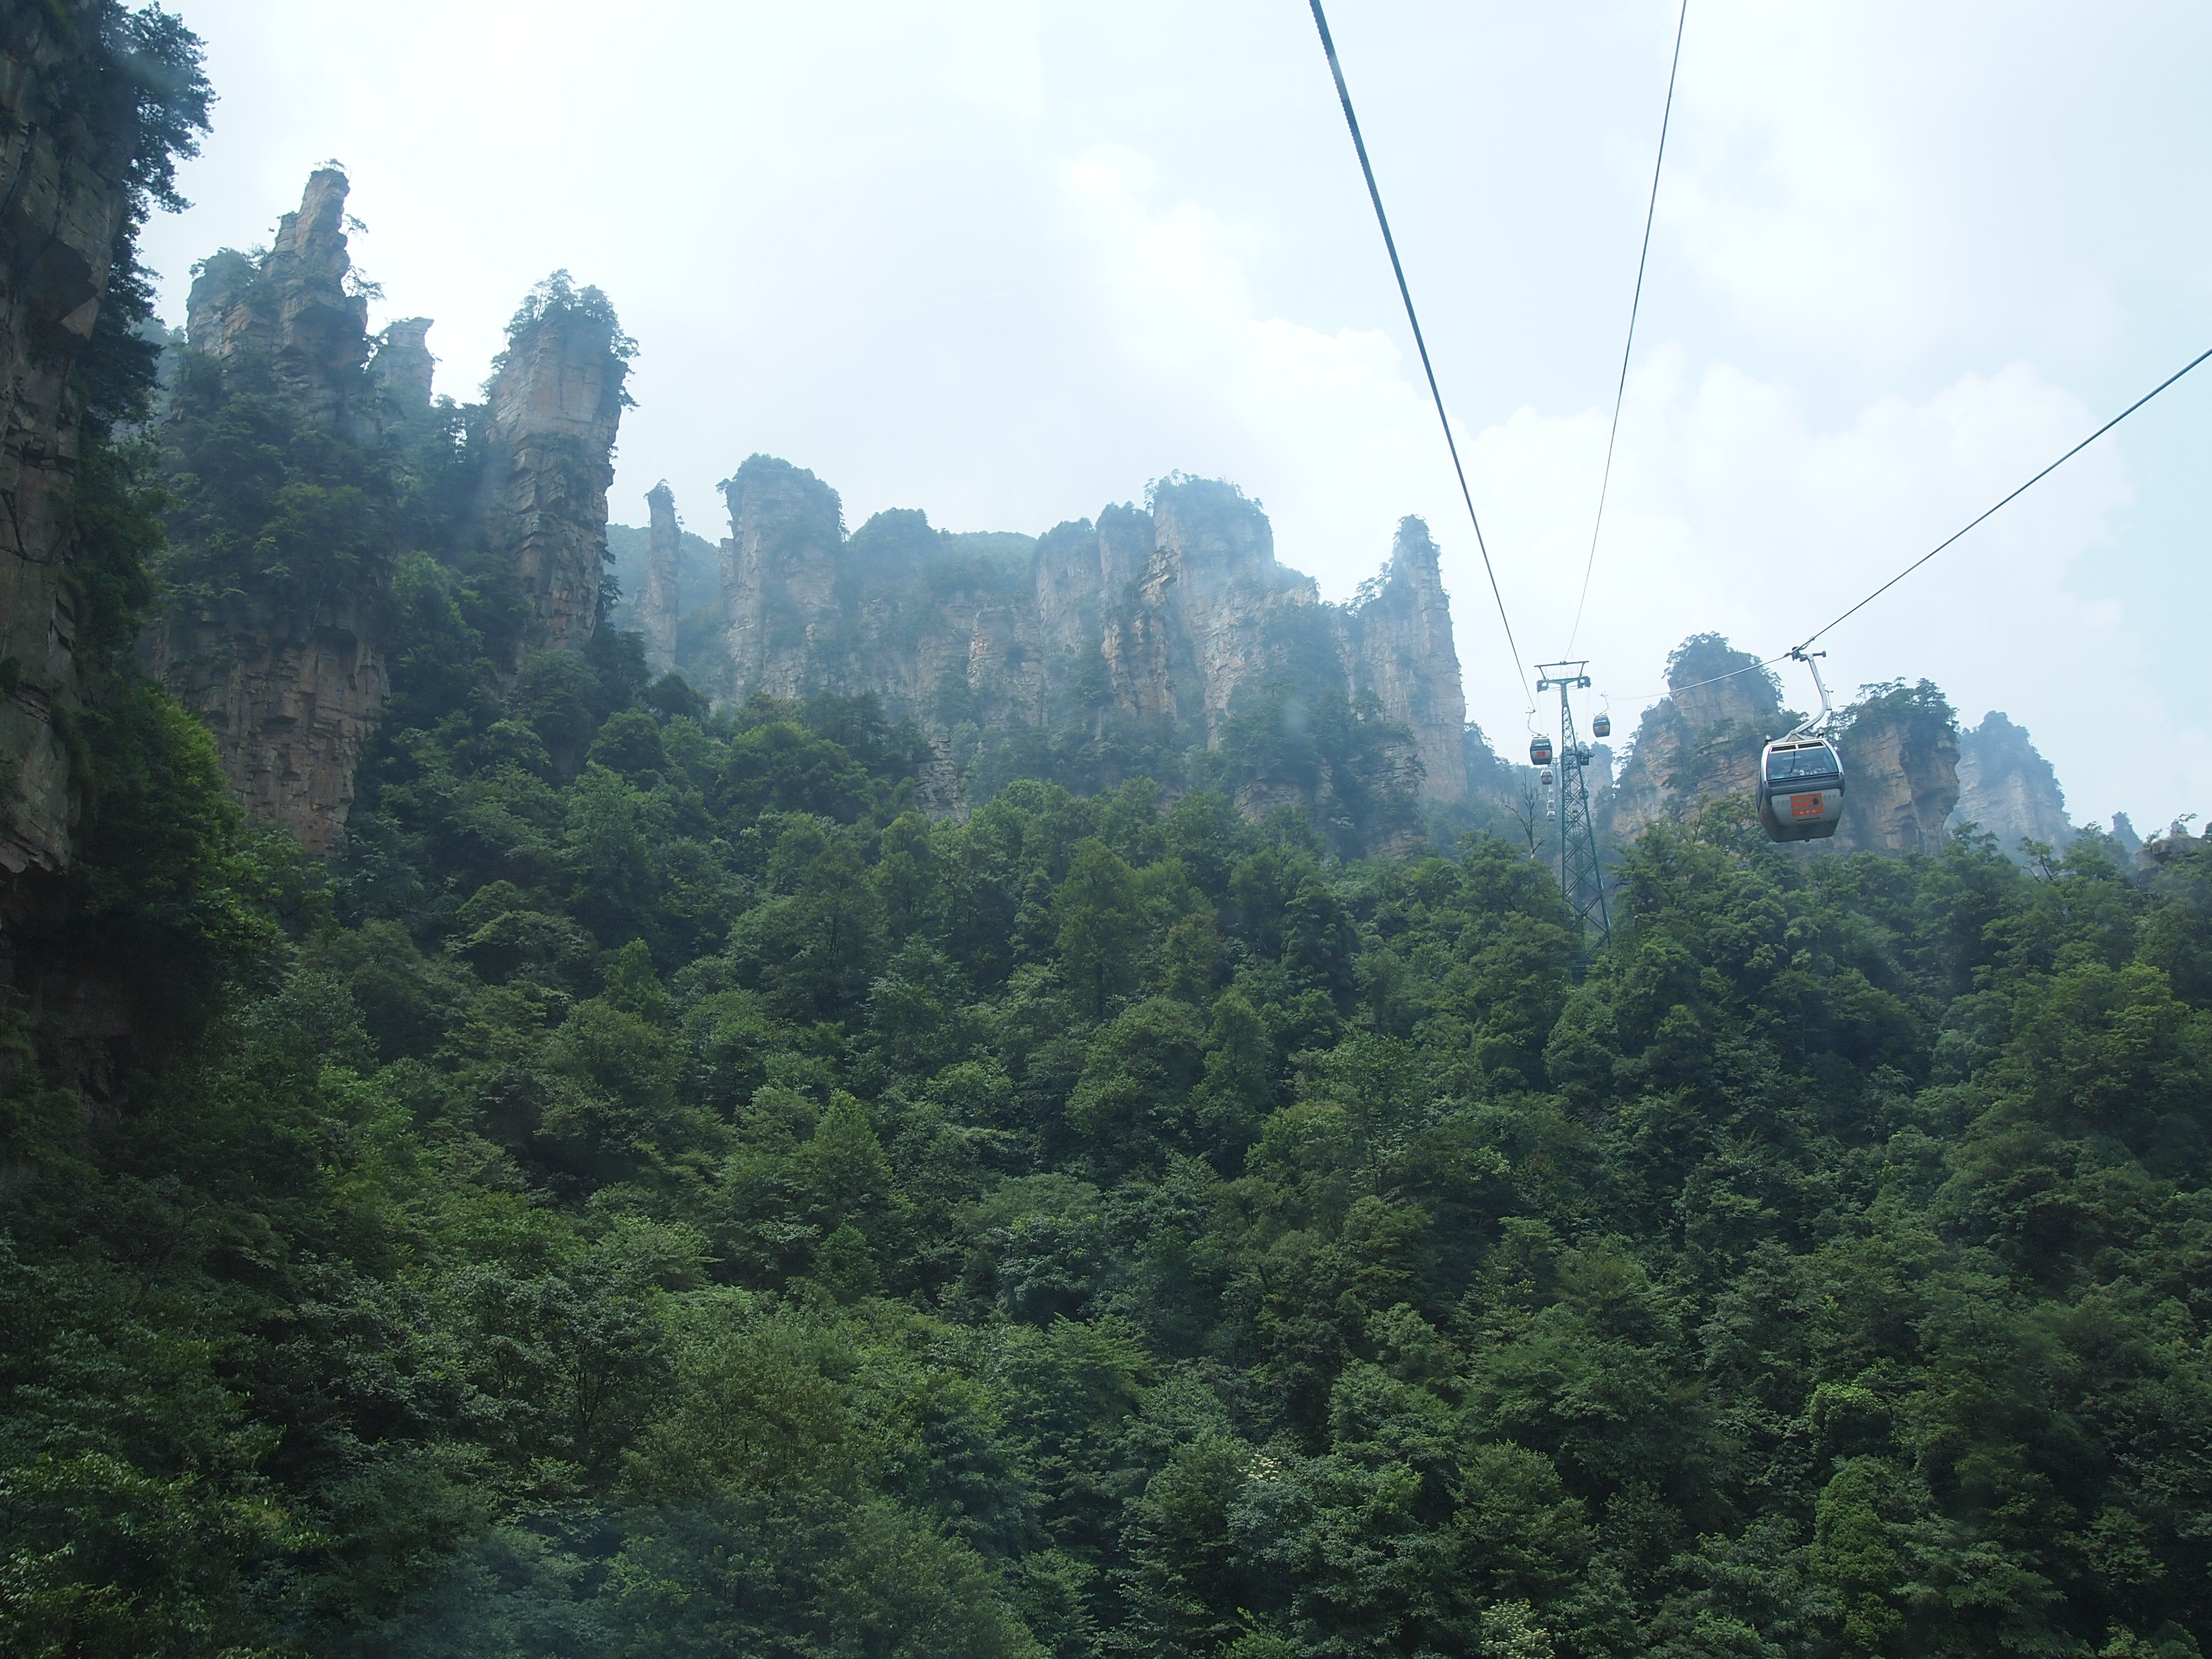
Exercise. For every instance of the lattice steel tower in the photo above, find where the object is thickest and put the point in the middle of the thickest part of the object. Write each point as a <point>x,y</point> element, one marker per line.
<point>1581,878</point>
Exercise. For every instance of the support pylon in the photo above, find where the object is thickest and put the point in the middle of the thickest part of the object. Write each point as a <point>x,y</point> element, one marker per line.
<point>1581,876</point>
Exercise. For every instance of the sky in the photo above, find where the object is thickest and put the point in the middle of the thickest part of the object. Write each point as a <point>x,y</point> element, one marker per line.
<point>1007,261</point>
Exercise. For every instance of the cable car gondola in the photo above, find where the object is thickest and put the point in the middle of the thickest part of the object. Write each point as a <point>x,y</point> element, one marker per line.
<point>1540,751</point>
<point>1801,775</point>
<point>1601,726</point>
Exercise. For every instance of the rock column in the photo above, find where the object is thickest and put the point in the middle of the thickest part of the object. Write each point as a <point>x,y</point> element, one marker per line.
<point>63,198</point>
<point>2008,788</point>
<point>1398,646</point>
<point>555,404</point>
<point>292,697</point>
<point>779,578</point>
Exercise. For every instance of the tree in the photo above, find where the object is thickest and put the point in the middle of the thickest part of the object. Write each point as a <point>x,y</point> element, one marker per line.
<point>1099,924</point>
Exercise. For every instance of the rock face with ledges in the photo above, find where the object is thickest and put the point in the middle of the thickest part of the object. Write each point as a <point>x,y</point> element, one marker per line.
<point>2008,788</point>
<point>1701,743</point>
<point>1215,613</point>
<point>292,686</point>
<point>64,196</point>
<point>291,699</point>
<point>291,308</point>
<point>1174,615</point>
<point>293,695</point>
<point>1399,648</point>
<point>403,368</point>
<point>555,405</point>
<point>1697,743</point>
<point>1900,747</point>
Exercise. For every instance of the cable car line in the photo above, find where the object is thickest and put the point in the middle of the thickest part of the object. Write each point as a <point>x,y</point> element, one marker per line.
<point>1375,195</point>
<point>1635,302</point>
<point>1651,697</point>
<point>2195,362</point>
<point>2022,490</point>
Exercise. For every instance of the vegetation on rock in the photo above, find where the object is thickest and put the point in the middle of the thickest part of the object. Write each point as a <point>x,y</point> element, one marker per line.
<point>660,1193</point>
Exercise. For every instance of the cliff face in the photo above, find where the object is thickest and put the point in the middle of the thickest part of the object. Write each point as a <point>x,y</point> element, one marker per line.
<point>403,369</point>
<point>1398,647</point>
<point>2008,788</point>
<point>290,309</point>
<point>664,569</point>
<point>555,405</point>
<point>282,654</point>
<point>292,695</point>
<point>1697,743</point>
<point>291,699</point>
<point>1901,751</point>
<point>1214,614</point>
<point>1702,742</point>
<point>1177,614</point>
<point>64,198</point>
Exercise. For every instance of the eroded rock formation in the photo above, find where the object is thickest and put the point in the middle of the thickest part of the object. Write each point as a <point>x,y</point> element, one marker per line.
<point>1900,747</point>
<point>1179,614</point>
<point>1398,646</point>
<point>1214,612</point>
<point>291,308</point>
<point>403,368</point>
<point>64,198</point>
<point>1701,743</point>
<point>291,692</point>
<point>1698,742</point>
<point>2008,788</point>
<point>555,405</point>
<point>283,655</point>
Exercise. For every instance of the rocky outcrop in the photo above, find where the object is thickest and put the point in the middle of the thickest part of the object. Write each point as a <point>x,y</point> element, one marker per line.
<point>555,404</point>
<point>291,309</point>
<point>1177,614</point>
<point>292,695</point>
<point>1900,750</point>
<point>65,198</point>
<point>941,637</point>
<point>664,569</point>
<point>1083,571</point>
<point>1698,742</point>
<point>1398,648</point>
<point>780,568</point>
<point>291,699</point>
<point>403,369</point>
<point>288,674</point>
<point>2008,788</point>
<point>1215,614</point>
<point>1701,743</point>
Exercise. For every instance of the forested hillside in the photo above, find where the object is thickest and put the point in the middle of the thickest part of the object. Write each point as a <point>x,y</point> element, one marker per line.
<point>656,1190</point>
<point>658,1193</point>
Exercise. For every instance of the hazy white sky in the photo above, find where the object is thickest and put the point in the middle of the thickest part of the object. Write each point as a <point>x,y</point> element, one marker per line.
<point>1007,260</point>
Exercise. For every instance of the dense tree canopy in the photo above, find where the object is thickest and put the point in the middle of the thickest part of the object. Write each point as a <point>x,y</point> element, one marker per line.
<point>660,1193</point>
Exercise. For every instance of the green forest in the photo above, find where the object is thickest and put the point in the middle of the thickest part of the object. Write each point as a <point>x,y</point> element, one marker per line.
<point>657,1193</point>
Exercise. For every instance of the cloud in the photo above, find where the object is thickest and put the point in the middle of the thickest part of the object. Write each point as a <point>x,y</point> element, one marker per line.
<point>1733,507</point>
<point>992,56</point>
<point>1327,428</point>
<point>1732,511</point>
